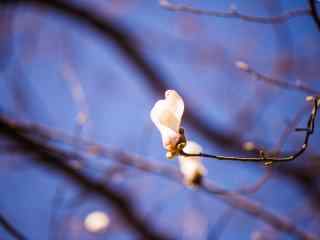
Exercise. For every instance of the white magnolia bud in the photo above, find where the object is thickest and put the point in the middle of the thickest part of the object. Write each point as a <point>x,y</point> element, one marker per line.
<point>166,114</point>
<point>192,167</point>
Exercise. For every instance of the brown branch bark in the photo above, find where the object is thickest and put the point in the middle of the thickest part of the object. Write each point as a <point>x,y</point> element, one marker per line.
<point>233,13</point>
<point>130,48</point>
<point>252,208</point>
<point>276,82</point>
<point>54,158</point>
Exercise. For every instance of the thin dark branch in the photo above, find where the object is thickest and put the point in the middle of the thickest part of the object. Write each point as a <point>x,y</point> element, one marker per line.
<point>268,159</point>
<point>233,13</point>
<point>279,83</point>
<point>282,139</point>
<point>126,45</point>
<point>130,47</point>
<point>238,201</point>
<point>246,205</point>
<point>290,128</point>
<point>314,12</point>
<point>13,231</point>
<point>82,106</point>
<point>55,160</point>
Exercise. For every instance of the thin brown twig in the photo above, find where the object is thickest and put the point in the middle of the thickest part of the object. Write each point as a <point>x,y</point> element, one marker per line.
<point>129,46</point>
<point>234,13</point>
<point>300,87</point>
<point>234,199</point>
<point>290,128</point>
<point>82,107</point>
<point>282,139</point>
<point>55,160</point>
<point>207,133</point>
<point>238,201</point>
<point>79,98</point>
<point>270,159</point>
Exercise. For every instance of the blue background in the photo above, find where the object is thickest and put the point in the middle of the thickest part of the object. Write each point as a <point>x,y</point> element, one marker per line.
<point>196,55</point>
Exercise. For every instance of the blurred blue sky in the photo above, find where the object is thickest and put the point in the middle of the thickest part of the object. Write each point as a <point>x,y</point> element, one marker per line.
<point>196,54</point>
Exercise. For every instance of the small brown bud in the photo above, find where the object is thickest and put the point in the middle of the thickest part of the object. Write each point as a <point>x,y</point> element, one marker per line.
<point>242,65</point>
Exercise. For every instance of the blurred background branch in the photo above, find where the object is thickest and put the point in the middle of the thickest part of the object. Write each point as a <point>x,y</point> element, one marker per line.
<point>56,159</point>
<point>234,13</point>
<point>56,71</point>
<point>12,230</point>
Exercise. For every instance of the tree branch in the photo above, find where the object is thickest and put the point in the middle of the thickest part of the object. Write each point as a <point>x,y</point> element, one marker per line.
<point>268,159</point>
<point>55,160</point>
<point>252,208</point>
<point>130,47</point>
<point>314,12</point>
<point>243,66</point>
<point>233,13</point>
<point>11,229</point>
<point>51,157</point>
<point>127,46</point>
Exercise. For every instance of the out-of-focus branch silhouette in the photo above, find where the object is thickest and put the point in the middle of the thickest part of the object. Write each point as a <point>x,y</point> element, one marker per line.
<point>129,47</point>
<point>298,86</point>
<point>56,159</point>
<point>270,159</point>
<point>234,13</point>
<point>315,12</point>
<point>14,232</point>
<point>307,177</point>
<point>292,125</point>
<point>51,148</point>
